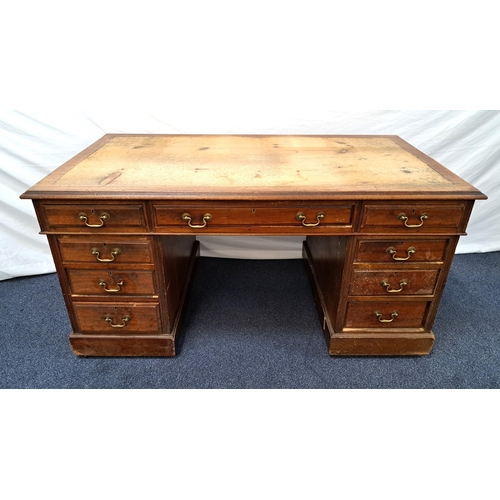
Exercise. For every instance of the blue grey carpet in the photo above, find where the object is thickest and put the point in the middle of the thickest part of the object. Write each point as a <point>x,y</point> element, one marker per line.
<point>253,324</point>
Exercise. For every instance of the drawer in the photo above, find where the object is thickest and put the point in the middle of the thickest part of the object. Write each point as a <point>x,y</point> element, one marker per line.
<point>111,282</point>
<point>102,250</point>
<point>218,217</point>
<point>412,218</point>
<point>117,318</point>
<point>94,217</point>
<point>386,315</point>
<point>390,282</point>
<point>408,250</point>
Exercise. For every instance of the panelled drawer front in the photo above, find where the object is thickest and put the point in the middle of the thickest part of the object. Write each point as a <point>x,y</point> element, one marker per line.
<point>102,250</point>
<point>387,315</point>
<point>111,282</point>
<point>411,250</point>
<point>316,216</point>
<point>95,217</point>
<point>391,283</point>
<point>412,218</point>
<point>117,318</point>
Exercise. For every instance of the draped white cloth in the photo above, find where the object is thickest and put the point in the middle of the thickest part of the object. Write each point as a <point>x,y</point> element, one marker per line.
<point>32,144</point>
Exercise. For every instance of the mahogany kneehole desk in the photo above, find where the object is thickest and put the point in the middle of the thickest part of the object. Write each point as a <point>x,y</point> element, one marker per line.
<point>381,221</point>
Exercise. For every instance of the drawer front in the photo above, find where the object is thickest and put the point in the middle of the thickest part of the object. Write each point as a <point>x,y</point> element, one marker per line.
<point>187,218</point>
<point>117,318</point>
<point>102,250</point>
<point>386,315</point>
<point>111,282</point>
<point>412,218</point>
<point>400,251</point>
<point>96,218</point>
<point>390,282</point>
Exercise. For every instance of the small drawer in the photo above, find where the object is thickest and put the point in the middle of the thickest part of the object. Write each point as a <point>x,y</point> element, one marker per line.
<point>387,315</point>
<point>408,250</point>
<point>412,218</point>
<point>111,282</point>
<point>117,318</point>
<point>94,217</point>
<point>103,250</point>
<point>391,283</point>
<point>217,218</point>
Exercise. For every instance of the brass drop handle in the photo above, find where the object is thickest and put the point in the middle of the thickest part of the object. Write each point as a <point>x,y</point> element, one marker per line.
<point>103,217</point>
<point>206,218</point>
<point>124,322</point>
<point>387,286</point>
<point>394,314</point>
<point>423,217</point>
<point>114,252</point>
<point>392,251</point>
<point>301,216</point>
<point>111,290</point>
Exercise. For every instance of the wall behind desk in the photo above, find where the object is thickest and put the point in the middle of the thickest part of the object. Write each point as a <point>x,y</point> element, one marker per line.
<point>34,143</point>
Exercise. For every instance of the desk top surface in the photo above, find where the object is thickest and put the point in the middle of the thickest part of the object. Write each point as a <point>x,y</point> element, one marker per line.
<point>248,167</point>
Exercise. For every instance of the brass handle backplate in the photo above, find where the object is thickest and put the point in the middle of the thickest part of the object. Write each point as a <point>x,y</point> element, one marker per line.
<point>103,217</point>
<point>392,251</point>
<point>114,252</point>
<point>206,218</point>
<point>423,217</point>
<point>387,286</point>
<point>301,216</point>
<point>111,290</point>
<point>124,322</point>
<point>394,314</point>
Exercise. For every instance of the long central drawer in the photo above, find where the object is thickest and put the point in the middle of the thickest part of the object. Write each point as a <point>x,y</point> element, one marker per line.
<point>214,218</point>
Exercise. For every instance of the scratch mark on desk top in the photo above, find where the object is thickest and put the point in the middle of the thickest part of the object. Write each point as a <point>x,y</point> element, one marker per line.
<point>110,178</point>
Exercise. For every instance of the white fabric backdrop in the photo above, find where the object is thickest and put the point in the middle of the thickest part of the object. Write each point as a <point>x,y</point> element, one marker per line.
<point>34,143</point>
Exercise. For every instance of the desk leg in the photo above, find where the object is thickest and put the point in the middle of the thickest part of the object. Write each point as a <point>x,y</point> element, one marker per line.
<point>179,256</point>
<point>174,264</point>
<point>329,263</point>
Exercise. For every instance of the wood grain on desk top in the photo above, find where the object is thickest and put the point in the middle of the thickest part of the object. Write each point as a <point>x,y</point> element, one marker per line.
<point>251,167</point>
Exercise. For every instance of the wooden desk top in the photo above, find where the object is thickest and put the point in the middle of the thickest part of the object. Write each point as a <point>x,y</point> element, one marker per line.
<point>250,167</point>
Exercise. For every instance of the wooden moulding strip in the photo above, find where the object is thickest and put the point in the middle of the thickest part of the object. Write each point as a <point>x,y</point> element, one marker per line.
<point>121,345</point>
<point>381,344</point>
